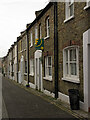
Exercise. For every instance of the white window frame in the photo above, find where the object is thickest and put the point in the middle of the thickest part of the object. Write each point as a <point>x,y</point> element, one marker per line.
<point>69,77</point>
<point>68,10</point>
<point>47,27</point>
<point>88,3</point>
<point>47,76</point>
<point>31,39</point>
<point>32,67</point>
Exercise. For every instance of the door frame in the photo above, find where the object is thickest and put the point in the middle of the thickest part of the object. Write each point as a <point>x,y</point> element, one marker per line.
<point>86,69</point>
<point>21,72</point>
<point>38,55</point>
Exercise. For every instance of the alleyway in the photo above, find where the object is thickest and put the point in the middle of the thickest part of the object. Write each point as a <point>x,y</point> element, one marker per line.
<point>21,104</point>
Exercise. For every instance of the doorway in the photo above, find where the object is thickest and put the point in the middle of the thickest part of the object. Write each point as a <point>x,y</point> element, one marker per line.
<point>38,70</point>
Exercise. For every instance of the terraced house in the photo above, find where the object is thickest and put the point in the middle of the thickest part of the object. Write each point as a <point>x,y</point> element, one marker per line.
<point>73,43</point>
<point>15,61</point>
<point>22,57</point>
<point>63,62</point>
<point>42,61</point>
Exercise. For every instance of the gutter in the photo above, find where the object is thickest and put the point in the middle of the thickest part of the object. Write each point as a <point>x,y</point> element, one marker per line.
<point>56,49</point>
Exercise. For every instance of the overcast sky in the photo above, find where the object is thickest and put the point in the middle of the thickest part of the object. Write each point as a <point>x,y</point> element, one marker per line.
<point>14,15</point>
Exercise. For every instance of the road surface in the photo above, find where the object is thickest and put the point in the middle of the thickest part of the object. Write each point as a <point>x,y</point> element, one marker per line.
<point>20,103</point>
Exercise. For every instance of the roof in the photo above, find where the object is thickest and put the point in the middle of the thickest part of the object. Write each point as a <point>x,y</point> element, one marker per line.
<point>40,15</point>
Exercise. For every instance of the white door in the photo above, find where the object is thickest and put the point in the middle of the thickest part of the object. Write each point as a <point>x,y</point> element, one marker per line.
<point>21,72</point>
<point>38,70</point>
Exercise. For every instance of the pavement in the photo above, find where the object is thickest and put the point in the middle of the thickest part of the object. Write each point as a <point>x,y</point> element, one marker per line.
<point>22,102</point>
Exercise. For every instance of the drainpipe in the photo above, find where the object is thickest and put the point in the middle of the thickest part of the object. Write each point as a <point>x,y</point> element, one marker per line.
<point>17,61</point>
<point>56,50</point>
<point>27,58</point>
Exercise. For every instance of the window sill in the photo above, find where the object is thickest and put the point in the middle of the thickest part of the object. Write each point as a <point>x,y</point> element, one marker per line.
<point>86,7</point>
<point>47,78</point>
<point>24,49</point>
<point>46,37</point>
<point>31,74</point>
<point>71,80</point>
<point>31,46</point>
<point>25,73</point>
<point>68,19</point>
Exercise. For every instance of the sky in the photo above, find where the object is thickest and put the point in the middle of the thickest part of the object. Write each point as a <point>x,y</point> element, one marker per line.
<point>14,15</point>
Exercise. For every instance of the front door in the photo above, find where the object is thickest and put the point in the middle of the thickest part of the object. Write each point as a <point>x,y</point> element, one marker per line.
<point>38,70</point>
<point>21,72</point>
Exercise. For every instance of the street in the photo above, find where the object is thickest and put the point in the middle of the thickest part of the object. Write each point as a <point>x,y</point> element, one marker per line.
<point>19,103</point>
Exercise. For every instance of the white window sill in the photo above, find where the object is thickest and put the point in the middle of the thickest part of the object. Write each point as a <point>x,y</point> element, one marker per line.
<point>48,78</point>
<point>31,74</point>
<point>24,49</point>
<point>25,73</point>
<point>46,37</point>
<point>71,17</point>
<point>86,7</point>
<point>71,80</point>
<point>21,51</point>
<point>31,46</point>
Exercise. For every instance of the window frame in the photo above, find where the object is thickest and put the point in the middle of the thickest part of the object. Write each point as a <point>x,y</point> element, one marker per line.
<point>40,31</point>
<point>36,33</point>
<point>47,67</point>
<point>68,10</point>
<point>69,76</point>
<point>32,66</point>
<point>48,27</point>
<point>31,39</point>
<point>87,5</point>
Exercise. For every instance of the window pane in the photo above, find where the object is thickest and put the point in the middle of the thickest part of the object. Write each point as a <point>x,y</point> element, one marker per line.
<point>31,67</point>
<point>73,69</point>
<point>67,68</point>
<point>71,10</point>
<point>48,66</point>
<point>46,71</point>
<point>47,27</point>
<point>48,22</point>
<point>49,60</point>
<point>48,33</point>
<point>25,66</point>
<point>73,55</point>
<point>66,55</point>
<point>50,71</point>
<point>31,40</point>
